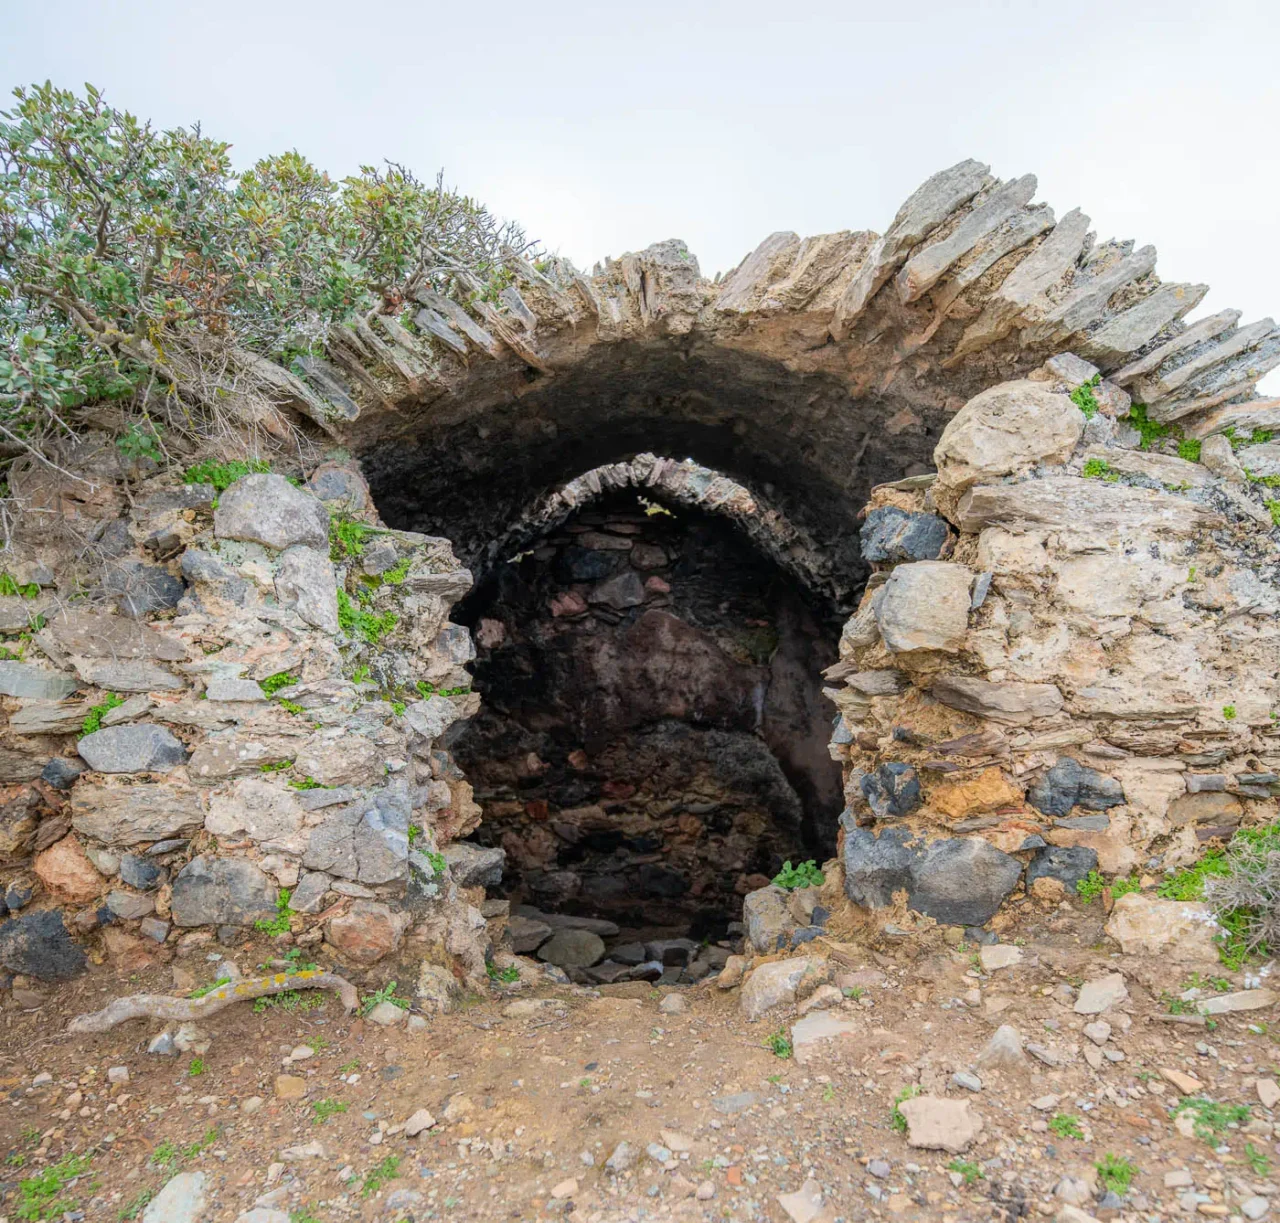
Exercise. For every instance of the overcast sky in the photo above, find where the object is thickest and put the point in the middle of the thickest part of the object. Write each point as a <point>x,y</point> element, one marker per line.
<point>603,127</point>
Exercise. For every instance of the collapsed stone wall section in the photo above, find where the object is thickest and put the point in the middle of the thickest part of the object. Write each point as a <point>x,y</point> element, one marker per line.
<point>1065,660</point>
<point>264,708</point>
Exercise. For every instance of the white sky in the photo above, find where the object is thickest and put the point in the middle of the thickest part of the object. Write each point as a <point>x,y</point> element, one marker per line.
<point>603,127</point>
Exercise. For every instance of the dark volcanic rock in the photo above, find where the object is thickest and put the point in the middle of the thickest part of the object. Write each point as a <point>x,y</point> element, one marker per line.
<point>1071,784</point>
<point>38,945</point>
<point>1070,864</point>
<point>892,791</point>
<point>891,534</point>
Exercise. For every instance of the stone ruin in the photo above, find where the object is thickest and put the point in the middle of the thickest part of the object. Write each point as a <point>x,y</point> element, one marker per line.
<point>937,470</point>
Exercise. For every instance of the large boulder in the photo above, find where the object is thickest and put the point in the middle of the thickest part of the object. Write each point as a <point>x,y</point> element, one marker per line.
<point>891,534</point>
<point>305,582</point>
<point>1004,431</point>
<point>572,949</point>
<point>218,891</point>
<point>267,509</point>
<point>137,747</point>
<point>925,607</point>
<point>957,880</point>
<point>38,945</point>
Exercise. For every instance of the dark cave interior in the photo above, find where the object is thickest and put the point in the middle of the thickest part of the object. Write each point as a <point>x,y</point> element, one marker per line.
<point>652,742</point>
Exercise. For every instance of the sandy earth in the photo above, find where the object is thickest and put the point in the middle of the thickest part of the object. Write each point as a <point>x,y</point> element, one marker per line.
<point>530,1100</point>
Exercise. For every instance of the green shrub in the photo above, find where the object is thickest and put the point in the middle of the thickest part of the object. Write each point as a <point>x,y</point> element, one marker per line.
<point>1064,1125</point>
<point>279,924</point>
<point>1084,398</point>
<point>1189,449</point>
<point>1116,1173</point>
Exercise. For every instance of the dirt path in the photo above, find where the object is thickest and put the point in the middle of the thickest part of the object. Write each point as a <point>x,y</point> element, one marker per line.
<point>533,1090</point>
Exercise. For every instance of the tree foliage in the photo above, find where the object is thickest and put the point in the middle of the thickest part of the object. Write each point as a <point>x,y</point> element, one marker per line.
<point>138,264</point>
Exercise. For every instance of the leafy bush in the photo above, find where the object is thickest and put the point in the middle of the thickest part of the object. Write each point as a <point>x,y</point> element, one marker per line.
<point>1084,398</point>
<point>1244,892</point>
<point>806,875</point>
<point>138,264</point>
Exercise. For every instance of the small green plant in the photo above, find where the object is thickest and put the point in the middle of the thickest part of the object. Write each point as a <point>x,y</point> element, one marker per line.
<point>1100,469</point>
<point>307,783</point>
<point>1229,712</point>
<point>304,1215</point>
<point>346,537</point>
<point>386,994</point>
<point>896,1119</point>
<point>1090,887</point>
<point>1149,431</point>
<point>43,1196</point>
<point>93,719</point>
<point>279,924</point>
<point>382,1173</point>
<point>1116,1173</point>
<point>1084,398</point>
<point>828,1094</point>
<point>196,1068</point>
<point>436,860</point>
<point>1259,1162</point>
<point>415,834</point>
<point>1189,449</point>
<point>1273,508</point>
<point>278,767</point>
<point>967,1169</point>
<point>426,691</point>
<point>360,675</point>
<point>223,475</point>
<point>853,992</point>
<point>136,1205</point>
<point>28,590</point>
<point>806,875</point>
<point>290,1000</point>
<point>398,707</point>
<point>140,441</point>
<point>1177,1006</point>
<point>273,683</point>
<point>291,707</point>
<point>779,1044</point>
<point>396,575</point>
<point>1064,1125</point>
<point>349,1067</point>
<point>506,976</point>
<point>355,621</point>
<point>1123,887</point>
<point>208,989</point>
<point>322,1110</point>
<point>1210,1119</point>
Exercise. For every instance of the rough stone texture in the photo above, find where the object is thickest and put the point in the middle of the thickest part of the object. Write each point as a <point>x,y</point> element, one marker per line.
<point>366,933</point>
<point>1070,784</point>
<point>1067,864</point>
<point>925,607</point>
<point>777,984</point>
<point>38,945</point>
<point>182,1200</point>
<point>1178,931</point>
<point>892,791</point>
<point>959,881</point>
<point>305,582</point>
<point>572,949</point>
<point>767,916</point>
<point>1012,702</point>
<point>938,1124</point>
<point>137,748</point>
<point>474,865</point>
<point>1004,432</point>
<point>25,680</point>
<point>268,510</point>
<point>1101,994</point>
<point>221,891</point>
<point>892,534</point>
<point>66,871</point>
<point>119,814</point>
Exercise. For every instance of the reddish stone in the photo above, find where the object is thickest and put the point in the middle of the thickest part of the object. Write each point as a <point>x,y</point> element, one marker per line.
<point>656,585</point>
<point>579,760</point>
<point>619,789</point>
<point>366,933</point>
<point>570,603</point>
<point>66,871</point>
<point>536,808</point>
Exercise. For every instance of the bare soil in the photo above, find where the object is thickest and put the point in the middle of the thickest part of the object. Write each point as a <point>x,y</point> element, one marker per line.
<point>526,1103</point>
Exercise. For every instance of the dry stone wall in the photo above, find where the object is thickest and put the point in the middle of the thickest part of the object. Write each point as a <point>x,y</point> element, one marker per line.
<point>264,713</point>
<point>1065,660</point>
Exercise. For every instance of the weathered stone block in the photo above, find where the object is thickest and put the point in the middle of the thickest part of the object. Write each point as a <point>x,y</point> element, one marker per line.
<point>891,534</point>
<point>1071,784</point>
<point>892,791</point>
<point>220,891</point>
<point>925,607</point>
<point>267,509</point>
<point>138,748</point>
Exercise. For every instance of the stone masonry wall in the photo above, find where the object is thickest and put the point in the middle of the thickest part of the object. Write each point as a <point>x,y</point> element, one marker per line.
<point>1066,658</point>
<point>266,718</point>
